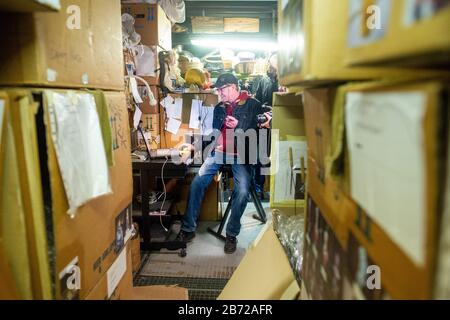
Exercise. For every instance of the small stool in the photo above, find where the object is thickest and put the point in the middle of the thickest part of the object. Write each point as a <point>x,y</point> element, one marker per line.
<point>261,216</point>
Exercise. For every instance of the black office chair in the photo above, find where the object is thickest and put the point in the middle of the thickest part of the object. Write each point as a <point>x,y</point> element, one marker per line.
<point>261,216</point>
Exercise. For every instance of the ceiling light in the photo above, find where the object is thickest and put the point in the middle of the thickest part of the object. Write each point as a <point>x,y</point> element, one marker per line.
<point>236,44</point>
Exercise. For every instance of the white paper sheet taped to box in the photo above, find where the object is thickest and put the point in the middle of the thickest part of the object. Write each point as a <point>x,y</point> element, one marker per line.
<point>116,272</point>
<point>206,124</point>
<point>173,125</point>
<point>201,117</point>
<point>173,107</point>
<point>387,164</point>
<point>196,110</point>
<point>79,146</point>
<point>285,177</point>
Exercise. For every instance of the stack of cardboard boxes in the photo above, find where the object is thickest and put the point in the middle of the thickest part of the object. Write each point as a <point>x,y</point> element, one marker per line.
<point>154,28</point>
<point>376,150</point>
<point>155,31</point>
<point>288,149</point>
<point>47,254</point>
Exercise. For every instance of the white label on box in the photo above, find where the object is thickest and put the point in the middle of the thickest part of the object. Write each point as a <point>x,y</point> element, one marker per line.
<point>385,138</point>
<point>207,120</point>
<point>2,111</point>
<point>51,75</point>
<point>85,79</point>
<point>116,272</point>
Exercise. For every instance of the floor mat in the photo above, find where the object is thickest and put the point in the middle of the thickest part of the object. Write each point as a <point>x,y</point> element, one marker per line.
<point>198,288</point>
<point>206,269</point>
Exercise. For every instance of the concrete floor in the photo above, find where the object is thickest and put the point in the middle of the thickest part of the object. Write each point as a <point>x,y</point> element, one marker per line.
<point>205,256</point>
<point>206,268</point>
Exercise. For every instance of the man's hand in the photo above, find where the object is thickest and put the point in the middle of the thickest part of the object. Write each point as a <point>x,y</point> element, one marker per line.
<point>231,122</point>
<point>186,146</point>
<point>267,123</point>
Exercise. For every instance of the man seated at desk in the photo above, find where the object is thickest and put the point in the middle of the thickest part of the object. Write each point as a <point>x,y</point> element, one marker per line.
<point>237,111</point>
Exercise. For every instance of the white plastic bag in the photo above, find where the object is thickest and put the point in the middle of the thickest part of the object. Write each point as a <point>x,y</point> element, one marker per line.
<point>78,142</point>
<point>129,35</point>
<point>174,9</point>
<point>145,60</point>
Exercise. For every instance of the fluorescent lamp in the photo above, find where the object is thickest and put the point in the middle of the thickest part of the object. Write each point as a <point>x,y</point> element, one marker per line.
<point>236,44</point>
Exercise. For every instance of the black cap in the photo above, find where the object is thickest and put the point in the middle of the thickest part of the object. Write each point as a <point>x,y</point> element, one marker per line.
<point>224,79</point>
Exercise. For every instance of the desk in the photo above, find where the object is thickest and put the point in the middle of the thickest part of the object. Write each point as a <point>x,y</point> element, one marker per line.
<point>148,170</point>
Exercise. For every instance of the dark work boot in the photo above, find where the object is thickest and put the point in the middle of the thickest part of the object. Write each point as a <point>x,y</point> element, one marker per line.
<point>184,236</point>
<point>230,244</point>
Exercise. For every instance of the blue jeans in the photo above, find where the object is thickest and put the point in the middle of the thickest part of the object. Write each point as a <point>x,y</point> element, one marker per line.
<point>242,182</point>
<point>258,178</point>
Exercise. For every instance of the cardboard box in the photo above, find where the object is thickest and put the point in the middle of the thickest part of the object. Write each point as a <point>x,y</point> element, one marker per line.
<point>51,49</point>
<point>30,5</point>
<point>288,131</point>
<point>159,293</point>
<point>329,194</point>
<point>263,274</point>
<point>209,210</point>
<point>151,23</point>
<point>331,271</point>
<point>413,33</point>
<point>9,289</point>
<point>212,25</point>
<point>117,282</point>
<point>151,123</point>
<point>288,115</point>
<point>135,245</point>
<point>246,25</point>
<point>313,37</point>
<point>21,120</point>
<point>16,268</point>
<point>169,140</point>
<point>152,131</point>
<point>94,237</point>
<point>60,249</point>
<point>400,220</point>
<point>442,283</point>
